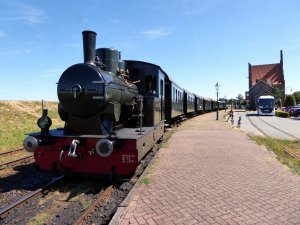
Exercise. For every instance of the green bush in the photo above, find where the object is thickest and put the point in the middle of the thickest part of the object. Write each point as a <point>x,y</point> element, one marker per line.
<point>281,114</point>
<point>290,100</point>
<point>297,97</point>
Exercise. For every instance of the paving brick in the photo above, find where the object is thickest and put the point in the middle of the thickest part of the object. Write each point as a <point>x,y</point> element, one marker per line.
<point>141,220</point>
<point>150,221</point>
<point>124,222</point>
<point>211,174</point>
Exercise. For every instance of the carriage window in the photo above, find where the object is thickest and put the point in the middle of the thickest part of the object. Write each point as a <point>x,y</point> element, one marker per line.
<point>173,94</point>
<point>176,96</point>
<point>150,85</point>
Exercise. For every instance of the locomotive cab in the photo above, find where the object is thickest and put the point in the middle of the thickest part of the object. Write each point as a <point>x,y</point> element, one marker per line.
<point>152,86</point>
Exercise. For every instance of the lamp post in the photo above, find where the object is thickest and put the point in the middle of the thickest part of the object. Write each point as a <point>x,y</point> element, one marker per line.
<point>217,86</point>
<point>286,89</point>
<point>225,102</point>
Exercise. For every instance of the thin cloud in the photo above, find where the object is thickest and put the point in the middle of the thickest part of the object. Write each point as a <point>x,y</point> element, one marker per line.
<point>115,21</point>
<point>12,51</point>
<point>155,33</point>
<point>25,13</point>
<point>200,6</point>
<point>2,33</point>
<point>51,73</point>
<point>15,50</point>
<point>253,44</point>
<point>192,7</point>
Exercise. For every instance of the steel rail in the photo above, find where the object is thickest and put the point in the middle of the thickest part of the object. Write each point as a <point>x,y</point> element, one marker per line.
<point>254,125</point>
<point>27,197</point>
<point>276,128</point>
<point>11,151</point>
<point>283,148</point>
<point>87,213</point>
<point>2,166</point>
<point>291,154</point>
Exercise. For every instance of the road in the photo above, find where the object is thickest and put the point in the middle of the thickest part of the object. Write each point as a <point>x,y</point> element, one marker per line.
<point>282,128</point>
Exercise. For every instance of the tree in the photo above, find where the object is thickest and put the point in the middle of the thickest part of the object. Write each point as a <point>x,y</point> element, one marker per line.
<point>231,102</point>
<point>277,92</point>
<point>297,97</point>
<point>278,95</point>
<point>240,99</point>
<point>290,101</point>
<point>278,103</point>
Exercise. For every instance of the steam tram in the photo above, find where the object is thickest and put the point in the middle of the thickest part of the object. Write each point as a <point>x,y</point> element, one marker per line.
<point>114,112</point>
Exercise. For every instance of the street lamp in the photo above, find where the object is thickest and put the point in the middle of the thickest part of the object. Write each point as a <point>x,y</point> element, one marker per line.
<point>217,86</point>
<point>286,89</point>
<point>225,102</point>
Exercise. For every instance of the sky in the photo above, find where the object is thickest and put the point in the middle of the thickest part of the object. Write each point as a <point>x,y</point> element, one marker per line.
<point>197,42</point>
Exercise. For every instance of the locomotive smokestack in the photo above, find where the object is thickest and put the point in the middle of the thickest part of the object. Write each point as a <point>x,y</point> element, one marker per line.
<point>89,45</point>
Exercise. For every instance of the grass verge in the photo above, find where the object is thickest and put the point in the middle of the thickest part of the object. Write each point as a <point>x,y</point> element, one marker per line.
<point>145,181</point>
<point>278,146</point>
<point>19,117</point>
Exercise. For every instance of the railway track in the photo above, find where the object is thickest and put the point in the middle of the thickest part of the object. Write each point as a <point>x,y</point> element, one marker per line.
<point>291,154</point>
<point>11,151</point>
<point>108,198</point>
<point>88,212</point>
<point>276,128</point>
<point>16,162</point>
<point>254,125</point>
<point>260,130</point>
<point>264,133</point>
<point>27,197</point>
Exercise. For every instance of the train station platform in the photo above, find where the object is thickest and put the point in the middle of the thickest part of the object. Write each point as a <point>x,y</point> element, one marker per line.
<point>209,173</point>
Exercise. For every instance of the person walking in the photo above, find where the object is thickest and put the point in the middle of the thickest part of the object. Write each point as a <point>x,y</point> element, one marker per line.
<point>230,114</point>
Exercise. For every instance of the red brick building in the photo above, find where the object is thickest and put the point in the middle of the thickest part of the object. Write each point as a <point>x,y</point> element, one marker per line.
<point>262,80</point>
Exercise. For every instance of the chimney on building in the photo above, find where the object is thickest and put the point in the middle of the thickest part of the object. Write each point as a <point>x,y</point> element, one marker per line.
<point>281,58</point>
<point>250,75</point>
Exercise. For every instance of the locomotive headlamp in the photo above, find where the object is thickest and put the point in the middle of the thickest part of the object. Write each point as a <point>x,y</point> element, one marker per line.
<point>44,123</point>
<point>104,147</point>
<point>30,144</point>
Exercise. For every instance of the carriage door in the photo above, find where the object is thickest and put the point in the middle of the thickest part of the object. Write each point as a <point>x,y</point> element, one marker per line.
<point>161,96</point>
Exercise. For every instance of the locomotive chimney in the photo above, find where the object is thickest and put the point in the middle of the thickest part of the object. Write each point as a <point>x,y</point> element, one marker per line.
<point>89,45</point>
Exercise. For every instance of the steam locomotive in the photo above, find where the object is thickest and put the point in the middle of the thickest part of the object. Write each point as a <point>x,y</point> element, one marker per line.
<point>114,112</point>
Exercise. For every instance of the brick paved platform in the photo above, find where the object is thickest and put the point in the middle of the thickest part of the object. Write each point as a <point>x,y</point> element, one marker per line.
<point>209,173</point>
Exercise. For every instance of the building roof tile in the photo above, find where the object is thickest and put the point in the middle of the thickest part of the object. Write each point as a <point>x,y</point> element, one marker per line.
<point>270,73</point>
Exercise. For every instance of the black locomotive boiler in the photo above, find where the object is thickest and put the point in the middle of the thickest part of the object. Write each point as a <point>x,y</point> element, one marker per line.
<point>114,112</point>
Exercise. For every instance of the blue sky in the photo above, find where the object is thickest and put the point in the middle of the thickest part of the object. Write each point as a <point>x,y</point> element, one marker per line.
<point>197,42</point>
